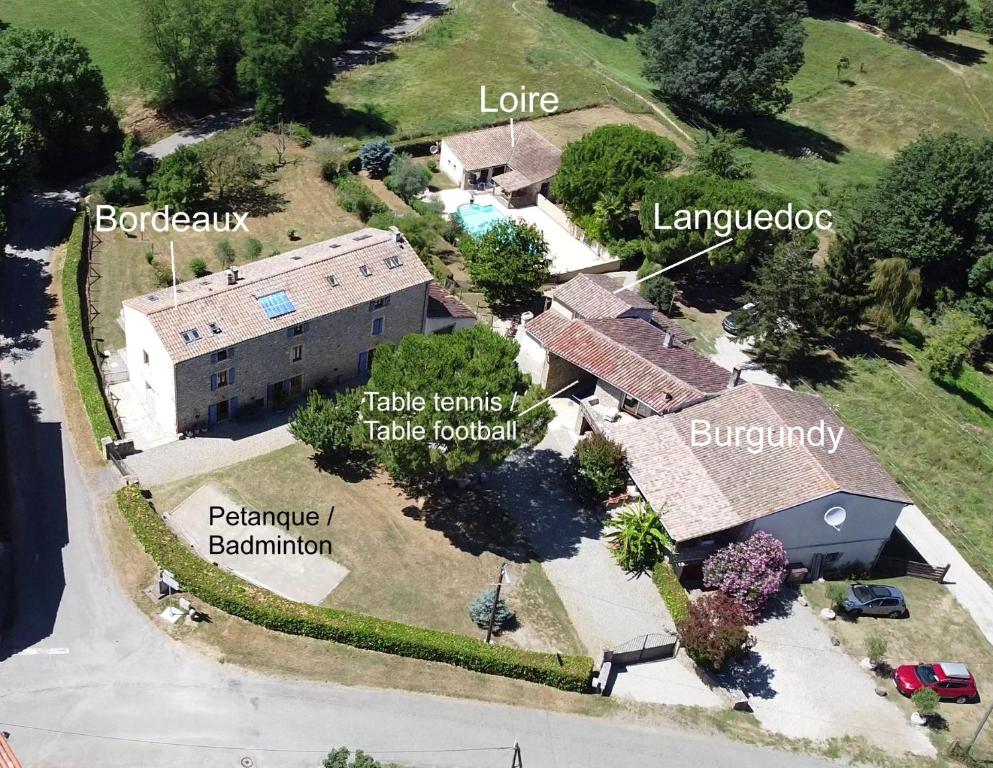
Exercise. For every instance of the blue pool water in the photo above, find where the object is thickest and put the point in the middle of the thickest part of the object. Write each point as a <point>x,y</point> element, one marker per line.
<point>478,219</point>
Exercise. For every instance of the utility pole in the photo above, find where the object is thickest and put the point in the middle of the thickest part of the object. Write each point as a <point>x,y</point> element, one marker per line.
<point>979,729</point>
<point>496,601</point>
<point>517,762</point>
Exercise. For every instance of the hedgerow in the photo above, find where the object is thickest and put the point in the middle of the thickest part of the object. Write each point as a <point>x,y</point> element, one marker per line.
<point>675,597</point>
<point>234,596</point>
<point>83,366</point>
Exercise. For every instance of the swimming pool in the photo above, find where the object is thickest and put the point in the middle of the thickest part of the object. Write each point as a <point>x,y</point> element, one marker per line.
<point>478,219</point>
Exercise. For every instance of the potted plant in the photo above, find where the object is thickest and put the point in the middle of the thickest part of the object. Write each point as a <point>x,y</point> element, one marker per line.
<point>926,705</point>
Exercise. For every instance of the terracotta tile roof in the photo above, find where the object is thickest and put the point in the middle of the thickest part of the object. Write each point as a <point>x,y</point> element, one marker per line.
<point>666,323</point>
<point>593,296</point>
<point>511,181</point>
<point>531,155</point>
<point>443,304</point>
<point>304,276</point>
<point>631,354</point>
<point>706,489</point>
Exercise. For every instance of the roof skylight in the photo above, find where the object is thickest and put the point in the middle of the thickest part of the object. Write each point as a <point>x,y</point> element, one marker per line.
<point>190,336</point>
<point>276,304</point>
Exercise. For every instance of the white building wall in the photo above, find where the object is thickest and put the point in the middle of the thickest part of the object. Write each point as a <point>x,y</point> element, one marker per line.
<point>154,382</point>
<point>531,358</point>
<point>450,165</point>
<point>561,309</point>
<point>868,526</point>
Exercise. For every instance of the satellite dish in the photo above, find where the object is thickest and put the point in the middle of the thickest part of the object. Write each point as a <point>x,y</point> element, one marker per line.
<point>835,516</point>
<point>434,149</point>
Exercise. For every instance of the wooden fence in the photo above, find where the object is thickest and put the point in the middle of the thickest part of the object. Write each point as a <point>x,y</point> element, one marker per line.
<point>894,566</point>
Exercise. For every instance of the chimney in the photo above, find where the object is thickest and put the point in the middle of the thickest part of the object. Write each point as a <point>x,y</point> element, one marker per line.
<point>667,339</point>
<point>232,273</point>
<point>513,140</point>
<point>734,378</point>
<point>397,235</point>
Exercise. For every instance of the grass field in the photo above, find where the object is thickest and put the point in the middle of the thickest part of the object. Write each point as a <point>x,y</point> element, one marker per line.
<point>309,209</point>
<point>935,442</point>
<point>108,28</point>
<point>914,639</point>
<point>403,564</point>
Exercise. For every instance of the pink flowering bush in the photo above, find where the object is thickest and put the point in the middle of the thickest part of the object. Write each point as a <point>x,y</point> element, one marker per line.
<point>749,571</point>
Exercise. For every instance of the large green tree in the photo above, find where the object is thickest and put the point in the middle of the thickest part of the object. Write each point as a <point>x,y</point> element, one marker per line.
<point>914,19</point>
<point>475,362</point>
<point>50,84</point>
<point>613,162</point>
<point>195,46</point>
<point>180,180</point>
<point>706,192</point>
<point>785,325</point>
<point>508,263</point>
<point>726,56</point>
<point>847,277</point>
<point>15,160</point>
<point>934,208</point>
<point>328,425</point>
<point>289,46</point>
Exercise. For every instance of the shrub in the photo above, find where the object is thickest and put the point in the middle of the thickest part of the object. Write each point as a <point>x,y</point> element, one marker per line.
<point>750,571</point>
<point>675,597</point>
<point>342,758</point>
<point>637,537</point>
<point>163,274</point>
<point>355,197</point>
<point>180,180</point>
<point>83,364</point>
<point>454,230</point>
<point>836,594</point>
<point>301,134</point>
<point>714,632</point>
<point>659,290</point>
<point>225,253</point>
<point>481,608</point>
<point>199,267</point>
<point>226,592</point>
<point>330,154</point>
<point>377,157</point>
<point>326,425</point>
<point>253,249</point>
<point>433,165</point>
<point>118,189</point>
<point>407,178</point>
<point>956,338</point>
<point>599,467</point>
<point>925,702</point>
<point>149,255</point>
<point>875,648</point>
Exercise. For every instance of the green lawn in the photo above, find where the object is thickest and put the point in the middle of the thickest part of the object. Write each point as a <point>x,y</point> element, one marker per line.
<point>108,28</point>
<point>935,442</point>
<point>403,564</point>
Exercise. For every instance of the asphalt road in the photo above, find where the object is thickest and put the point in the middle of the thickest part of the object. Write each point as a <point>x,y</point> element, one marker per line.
<point>86,679</point>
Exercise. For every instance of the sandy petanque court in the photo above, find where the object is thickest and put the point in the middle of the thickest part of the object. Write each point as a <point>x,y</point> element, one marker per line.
<point>294,563</point>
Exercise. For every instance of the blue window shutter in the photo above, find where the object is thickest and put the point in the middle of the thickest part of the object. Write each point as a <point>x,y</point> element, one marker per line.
<point>231,352</point>
<point>306,327</point>
<point>213,358</point>
<point>234,407</point>
<point>213,382</point>
<point>387,301</point>
<point>212,414</point>
<point>289,332</point>
<point>230,375</point>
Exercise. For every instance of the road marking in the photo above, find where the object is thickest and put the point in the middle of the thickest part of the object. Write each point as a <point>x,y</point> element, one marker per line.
<point>673,266</point>
<point>43,652</point>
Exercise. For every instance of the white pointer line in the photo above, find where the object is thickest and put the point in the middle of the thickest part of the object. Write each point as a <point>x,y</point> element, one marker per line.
<point>673,266</point>
<point>554,394</point>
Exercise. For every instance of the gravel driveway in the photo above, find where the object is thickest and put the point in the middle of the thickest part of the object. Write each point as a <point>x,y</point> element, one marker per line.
<point>803,687</point>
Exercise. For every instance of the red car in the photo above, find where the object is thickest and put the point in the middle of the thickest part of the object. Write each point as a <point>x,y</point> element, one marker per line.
<point>949,680</point>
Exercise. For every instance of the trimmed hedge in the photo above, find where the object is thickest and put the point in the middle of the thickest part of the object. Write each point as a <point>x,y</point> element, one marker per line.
<point>83,364</point>
<point>675,597</point>
<point>230,594</point>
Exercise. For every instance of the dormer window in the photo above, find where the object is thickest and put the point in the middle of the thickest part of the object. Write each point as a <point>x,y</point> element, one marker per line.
<point>333,281</point>
<point>214,328</point>
<point>392,262</point>
<point>365,271</point>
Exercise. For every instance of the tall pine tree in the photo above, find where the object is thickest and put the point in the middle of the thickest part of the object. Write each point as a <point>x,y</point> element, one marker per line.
<point>847,275</point>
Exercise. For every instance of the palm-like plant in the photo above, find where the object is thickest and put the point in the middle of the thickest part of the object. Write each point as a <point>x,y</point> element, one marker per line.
<point>638,538</point>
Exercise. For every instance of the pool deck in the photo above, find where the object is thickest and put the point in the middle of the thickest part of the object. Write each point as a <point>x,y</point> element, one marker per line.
<point>569,255</point>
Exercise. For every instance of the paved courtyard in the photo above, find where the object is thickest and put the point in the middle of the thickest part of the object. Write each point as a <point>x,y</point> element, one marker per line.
<point>607,606</point>
<point>304,578</point>
<point>569,255</point>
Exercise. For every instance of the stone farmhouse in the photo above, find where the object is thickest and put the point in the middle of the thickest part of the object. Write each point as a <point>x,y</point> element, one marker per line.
<point>257,335</point>
<point>515,161</point>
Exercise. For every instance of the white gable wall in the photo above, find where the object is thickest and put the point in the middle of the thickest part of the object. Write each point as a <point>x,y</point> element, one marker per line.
<point>154,381</point>
<point>868,526</point>
<point>450,165</point>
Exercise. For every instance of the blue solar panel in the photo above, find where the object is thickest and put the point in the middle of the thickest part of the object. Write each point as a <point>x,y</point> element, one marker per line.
<point>276,304</point>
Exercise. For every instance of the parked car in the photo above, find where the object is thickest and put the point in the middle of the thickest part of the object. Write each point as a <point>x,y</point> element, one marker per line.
<point>732,322</point>
<point>950,680</point>
<point>874,600</point>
